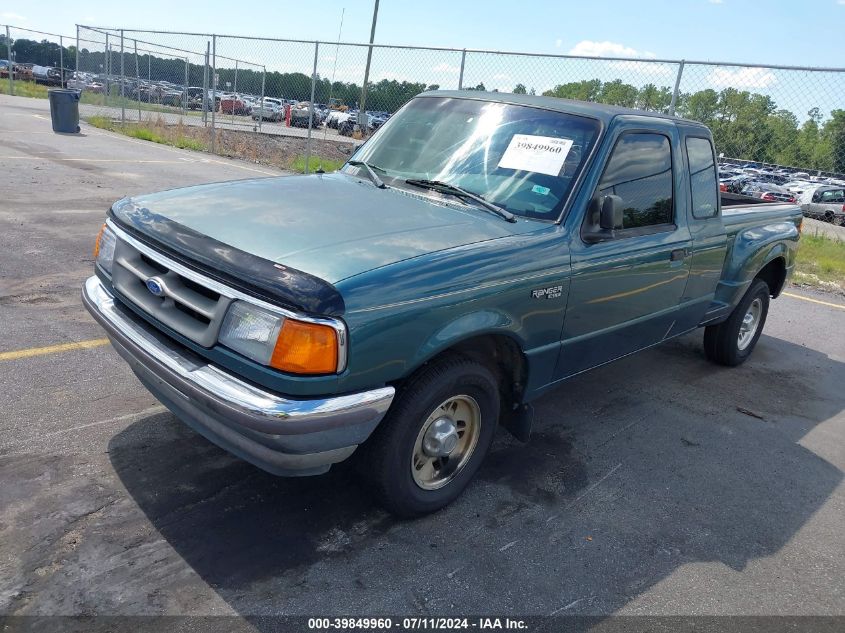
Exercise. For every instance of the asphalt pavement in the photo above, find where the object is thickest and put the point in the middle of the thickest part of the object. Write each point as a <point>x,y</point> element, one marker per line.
<point>659,484</point>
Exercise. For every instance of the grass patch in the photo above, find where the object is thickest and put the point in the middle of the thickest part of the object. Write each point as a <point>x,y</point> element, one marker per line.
<point>32,89</point>
<point>24,89</point>
<point>178,135</point>
<point>314,162</point>
<point>281,152</point>
<point>821,262</point>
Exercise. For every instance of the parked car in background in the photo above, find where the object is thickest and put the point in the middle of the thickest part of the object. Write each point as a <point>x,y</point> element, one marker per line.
<point>271,109</point>
<point>735,184</point>
<point>79,81</point>
<point>231,104</point>
<point>826,203</point>
<point>771,177</point>
<point>767,191</point>
<point>47,75</point>
<point>336,117</point>
<point>173,97</point>
<point>196,101</point>
<point>301,113</point>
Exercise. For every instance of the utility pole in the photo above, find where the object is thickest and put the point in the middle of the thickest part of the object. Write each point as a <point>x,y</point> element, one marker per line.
<point>363,120</point>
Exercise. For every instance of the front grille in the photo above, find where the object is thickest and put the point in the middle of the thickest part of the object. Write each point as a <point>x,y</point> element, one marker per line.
<point>186,306</point>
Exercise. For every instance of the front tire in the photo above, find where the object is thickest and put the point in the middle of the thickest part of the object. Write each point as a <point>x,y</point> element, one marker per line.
<point>731,343</point>
<point>434,437</point>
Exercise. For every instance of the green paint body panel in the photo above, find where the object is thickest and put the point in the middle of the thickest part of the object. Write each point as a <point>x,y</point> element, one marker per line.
<point>420,273</point>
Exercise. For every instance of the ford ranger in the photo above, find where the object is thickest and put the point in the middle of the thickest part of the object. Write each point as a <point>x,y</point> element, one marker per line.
<point>477,251</point>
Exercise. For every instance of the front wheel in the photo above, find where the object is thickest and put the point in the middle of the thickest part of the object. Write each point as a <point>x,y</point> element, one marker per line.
<point>731,343</point>
<point>434,438</point>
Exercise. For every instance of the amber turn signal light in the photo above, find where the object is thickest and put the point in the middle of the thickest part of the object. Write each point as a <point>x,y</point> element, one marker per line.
<point>97,241</point>
<point>305,348</point>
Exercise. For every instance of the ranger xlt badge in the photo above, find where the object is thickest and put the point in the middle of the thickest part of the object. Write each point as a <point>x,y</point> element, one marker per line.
<point>554,292</point>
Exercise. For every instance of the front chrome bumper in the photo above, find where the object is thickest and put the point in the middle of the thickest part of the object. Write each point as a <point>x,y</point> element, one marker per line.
<point>280,435</point>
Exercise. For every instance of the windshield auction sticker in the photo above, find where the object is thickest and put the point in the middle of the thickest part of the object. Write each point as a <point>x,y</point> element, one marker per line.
<point>539,154</point>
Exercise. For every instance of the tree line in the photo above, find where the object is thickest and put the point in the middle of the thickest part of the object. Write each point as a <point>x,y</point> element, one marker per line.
<point>745,124</point>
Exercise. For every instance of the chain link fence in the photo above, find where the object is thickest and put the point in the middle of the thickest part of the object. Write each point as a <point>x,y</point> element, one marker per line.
<point>791,117</point>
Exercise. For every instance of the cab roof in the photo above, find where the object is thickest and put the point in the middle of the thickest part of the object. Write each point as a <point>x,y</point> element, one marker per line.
<point>601,111</point>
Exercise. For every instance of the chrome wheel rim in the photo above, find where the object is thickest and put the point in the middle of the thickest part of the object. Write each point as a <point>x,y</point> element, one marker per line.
<point>446,441</point>
<point>749,325</point>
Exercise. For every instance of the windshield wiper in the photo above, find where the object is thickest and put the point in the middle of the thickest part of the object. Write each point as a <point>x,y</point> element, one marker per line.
<point>370,169</point>
<point>445,187</point>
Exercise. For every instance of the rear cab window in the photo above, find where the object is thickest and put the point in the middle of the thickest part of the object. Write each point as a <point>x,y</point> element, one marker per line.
<point>704,194</point>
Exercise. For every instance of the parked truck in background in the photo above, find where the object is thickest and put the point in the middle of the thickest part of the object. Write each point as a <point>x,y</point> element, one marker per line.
<point>478,251</point>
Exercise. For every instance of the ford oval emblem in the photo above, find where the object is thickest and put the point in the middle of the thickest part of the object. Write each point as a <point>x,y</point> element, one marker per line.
<point>155,286</point>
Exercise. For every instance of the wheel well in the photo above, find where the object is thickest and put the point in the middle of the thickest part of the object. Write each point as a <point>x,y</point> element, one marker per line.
<point>502,355</point>
<point>774,274</point>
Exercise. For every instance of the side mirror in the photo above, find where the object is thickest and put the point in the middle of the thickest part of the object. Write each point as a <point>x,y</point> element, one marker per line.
<point>610,218</point>
<point>611,213</point>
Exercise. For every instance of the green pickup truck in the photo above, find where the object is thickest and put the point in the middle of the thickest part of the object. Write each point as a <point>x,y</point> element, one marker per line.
<point>477,251</point>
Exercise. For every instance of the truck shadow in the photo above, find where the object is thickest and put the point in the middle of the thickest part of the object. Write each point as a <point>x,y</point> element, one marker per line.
<point>634,470</point>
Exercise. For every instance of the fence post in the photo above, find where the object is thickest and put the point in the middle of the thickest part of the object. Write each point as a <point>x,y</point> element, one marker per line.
<point>205,85</point>
<point>138,80</point>
<point>213,89</point>
<point>149,73</point>
<point>675,91</point>
<point>77,52</point>
<point>185,94</point>
<point>62,61</point>
<point>461,75</point>
<point>11,63</point>
<point>261,109</point>
<point>362,108</point>
<point>108,70</point>
<point>311,108</point>
<point>122,84</point>
<point>235,92</point>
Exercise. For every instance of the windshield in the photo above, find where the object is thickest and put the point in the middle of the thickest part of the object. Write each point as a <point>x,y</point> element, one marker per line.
<point>521,158</point>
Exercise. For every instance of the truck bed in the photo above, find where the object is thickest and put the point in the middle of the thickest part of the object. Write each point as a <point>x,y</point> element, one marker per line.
<point>740,212</point>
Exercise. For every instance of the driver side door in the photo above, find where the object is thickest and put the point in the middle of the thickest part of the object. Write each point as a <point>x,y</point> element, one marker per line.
<point>625,290</point>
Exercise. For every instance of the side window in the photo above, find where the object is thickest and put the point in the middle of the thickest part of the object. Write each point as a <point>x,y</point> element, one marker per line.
<point>640,172</point>
<point>702,167</point>
<point>832,196</point>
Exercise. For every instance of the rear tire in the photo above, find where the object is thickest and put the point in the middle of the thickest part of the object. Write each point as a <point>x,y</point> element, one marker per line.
<point>456,394</point>
<point>731,343</point>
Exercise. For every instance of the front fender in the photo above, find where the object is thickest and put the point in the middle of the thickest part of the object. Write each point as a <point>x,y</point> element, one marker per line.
<point>481,323</point>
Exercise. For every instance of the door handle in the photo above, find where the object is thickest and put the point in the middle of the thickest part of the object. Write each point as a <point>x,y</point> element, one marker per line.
<point>679,254</point>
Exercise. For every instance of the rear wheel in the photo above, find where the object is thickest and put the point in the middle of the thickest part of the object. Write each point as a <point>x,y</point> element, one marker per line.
<point>434,438</point>
<point>731,343</point>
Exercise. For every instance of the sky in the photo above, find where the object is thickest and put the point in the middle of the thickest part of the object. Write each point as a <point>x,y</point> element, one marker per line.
<point>779,32</point>
<point>809,32</point>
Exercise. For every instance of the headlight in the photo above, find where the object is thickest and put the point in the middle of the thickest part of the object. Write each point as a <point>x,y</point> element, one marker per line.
<point>251,330</point>
<point>292,346</point>
<point>104,248</point>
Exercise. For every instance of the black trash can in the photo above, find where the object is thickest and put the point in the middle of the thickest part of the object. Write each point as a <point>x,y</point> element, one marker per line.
<point>64,110</point>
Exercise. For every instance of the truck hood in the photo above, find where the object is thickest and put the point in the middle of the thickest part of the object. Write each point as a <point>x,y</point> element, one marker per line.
<point>331,226</point>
